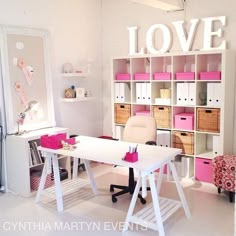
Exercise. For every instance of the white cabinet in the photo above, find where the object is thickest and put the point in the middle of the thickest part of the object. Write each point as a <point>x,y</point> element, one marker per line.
<point>18,157</point>
<point>182,83</point>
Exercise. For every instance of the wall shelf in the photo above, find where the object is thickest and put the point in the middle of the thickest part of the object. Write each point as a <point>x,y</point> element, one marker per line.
<point>73,75</point>
<point>82,99</point>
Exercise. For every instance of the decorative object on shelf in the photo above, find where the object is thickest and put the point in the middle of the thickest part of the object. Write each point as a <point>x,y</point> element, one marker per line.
<point>70,92</point>
<point>21,116</point>
<point>203,98</point>
<point>67,68</point>
<point>80,92</point>
<point>67,146</point>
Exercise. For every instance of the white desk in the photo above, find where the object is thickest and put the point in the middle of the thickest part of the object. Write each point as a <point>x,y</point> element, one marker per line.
<point>111,152</point>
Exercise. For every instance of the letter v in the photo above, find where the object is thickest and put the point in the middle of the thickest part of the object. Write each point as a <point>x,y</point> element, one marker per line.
<point>185,43</point>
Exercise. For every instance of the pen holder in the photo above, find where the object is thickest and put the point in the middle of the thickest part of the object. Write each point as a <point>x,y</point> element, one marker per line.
<point>131,157</point>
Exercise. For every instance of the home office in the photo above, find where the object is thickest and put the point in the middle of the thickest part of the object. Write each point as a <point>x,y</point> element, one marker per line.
<point>93,38</point>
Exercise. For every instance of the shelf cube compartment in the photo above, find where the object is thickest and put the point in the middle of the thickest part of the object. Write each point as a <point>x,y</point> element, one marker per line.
<point>208,120</point>
<point>162,116</point>
<point>184,121</point>
<point>184,75</point>
<point>211,75</point>
<point>184,141</point>
<point>162,76</point>
<point>122,76</point>
<point>203,170</point>
<point>141,76</point>
<point>122,113</point>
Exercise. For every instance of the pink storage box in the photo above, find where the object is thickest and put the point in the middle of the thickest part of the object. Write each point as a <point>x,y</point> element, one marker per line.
<point>184,121</point>
<point>142,76</point>
<point>203,170</point>
<point>184,76</point>
<point>212,75</point>
<point>162,76</point>
<point>54,141</point>
<point>35,180</point>
<point>142,113</point>
<point>131,157</point>
<point>122,76</point>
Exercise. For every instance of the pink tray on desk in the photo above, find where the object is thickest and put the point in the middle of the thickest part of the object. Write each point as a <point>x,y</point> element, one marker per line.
<point>54,141</point>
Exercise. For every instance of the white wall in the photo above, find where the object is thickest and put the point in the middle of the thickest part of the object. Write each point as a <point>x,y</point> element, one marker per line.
<point>118,15</point>
<point>75,31</point>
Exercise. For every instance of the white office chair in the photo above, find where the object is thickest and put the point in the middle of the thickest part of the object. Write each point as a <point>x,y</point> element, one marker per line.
<point>138,129</point>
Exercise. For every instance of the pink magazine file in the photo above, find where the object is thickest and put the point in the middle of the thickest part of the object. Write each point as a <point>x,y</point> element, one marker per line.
<point>131,156</point>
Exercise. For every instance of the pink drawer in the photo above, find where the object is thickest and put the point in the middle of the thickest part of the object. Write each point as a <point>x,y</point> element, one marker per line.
<point>203,170</point>
<point>212,75</point>
<point>184,121</point>
<point>142,113</point>
<point>142,76</point>
<point>162,76</point>
<point>184,76</point>
<point>122,76</point>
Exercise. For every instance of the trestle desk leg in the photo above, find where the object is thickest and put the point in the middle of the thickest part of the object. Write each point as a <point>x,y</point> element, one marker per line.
<point>43,176</point>
<point>156,206</point>
<point>57,180</point>
<point>159,179</point>
<point>91,177</point>
<point>180,190</point>
<point>132,204</point>
<point>75,167</point>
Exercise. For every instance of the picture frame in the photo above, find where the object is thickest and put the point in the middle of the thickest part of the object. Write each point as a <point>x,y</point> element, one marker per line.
<point>26,73</point>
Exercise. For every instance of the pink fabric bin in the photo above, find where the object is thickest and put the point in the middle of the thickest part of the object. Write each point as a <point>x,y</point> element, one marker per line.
<point>142,113</point>
<point>162,76</point>
<point>141,76</point>
<point>184,121</point>
<point>122,76</point>
<point>204,170</point>
<point>211,75</point>
<point>185,76</point>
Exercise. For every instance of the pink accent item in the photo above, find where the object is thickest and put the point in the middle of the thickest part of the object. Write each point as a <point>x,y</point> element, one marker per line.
<point>212,75</point>
<point>141,76</point>
<point>54,141</point>
<point>184,76</point>
<point>122,76</point>
<point>184,121</point>
<point>142,113</point>
<point>162,76</point>
<point>165,169</point>
<point>19,89</point>
<point>35,180</point>
<point>203,170</point>
<point>28,75</point>
<point>131,157</point>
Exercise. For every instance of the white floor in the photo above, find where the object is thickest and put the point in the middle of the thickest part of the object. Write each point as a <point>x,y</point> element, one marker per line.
<point>86,214</point>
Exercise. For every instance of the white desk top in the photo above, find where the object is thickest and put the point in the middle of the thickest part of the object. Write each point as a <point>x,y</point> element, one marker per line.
<point>112,152</point>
